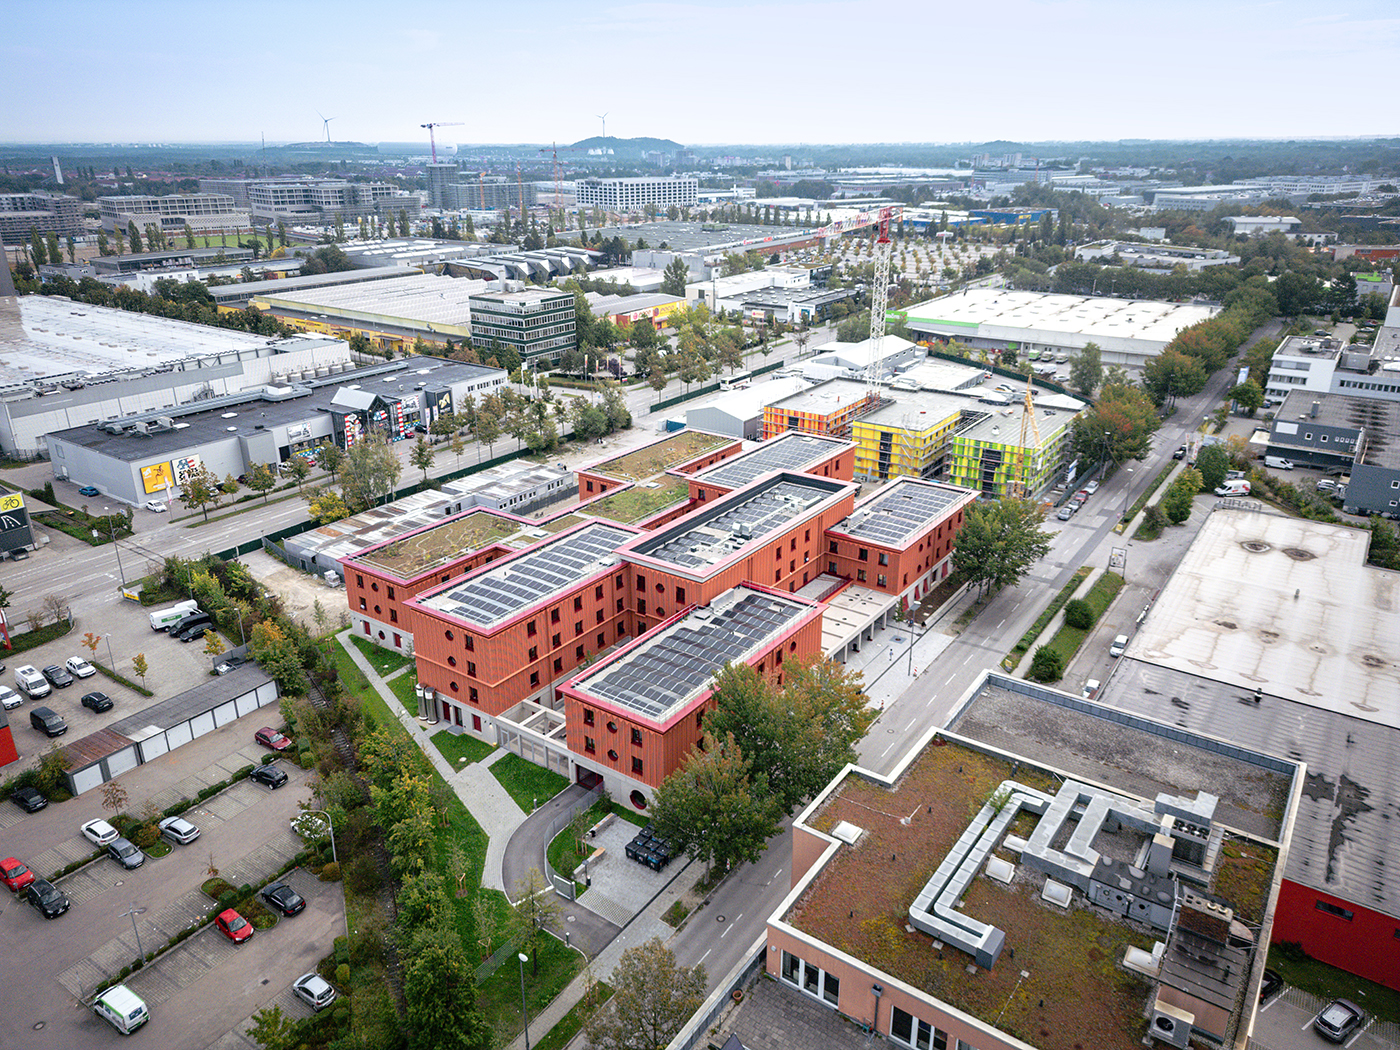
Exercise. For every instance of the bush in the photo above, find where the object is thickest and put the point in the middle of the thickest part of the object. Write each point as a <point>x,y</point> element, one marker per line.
<point>147,835</point>
<point>362,877</point>
<point>228,899</point>
<point>1078,614</point>
<point>331,872</point>
<point>1046,665</point>
<point>342,975</point>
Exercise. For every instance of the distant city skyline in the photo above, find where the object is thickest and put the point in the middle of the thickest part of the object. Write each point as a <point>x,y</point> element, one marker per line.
<point>698,73</point>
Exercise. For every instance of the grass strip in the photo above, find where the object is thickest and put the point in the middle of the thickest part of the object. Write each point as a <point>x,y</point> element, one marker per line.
<point>385,661</point>
<point>1327,982</point>
<point>526,782</point>
<point>562,1034</point>
<point>1068,639</point>
<point>1141,501</point>
<point>1042,621</point>
<point>460,749</point>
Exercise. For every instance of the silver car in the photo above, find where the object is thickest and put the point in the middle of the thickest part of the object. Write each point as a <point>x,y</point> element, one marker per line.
<point>9,699</point>
<point>314,991</point>
<point>178,829</point>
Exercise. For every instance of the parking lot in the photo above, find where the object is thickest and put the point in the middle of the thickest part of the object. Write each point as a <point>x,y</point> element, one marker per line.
<point>211,987</point>
<point>125,627</point>
<point>1285,1023</point>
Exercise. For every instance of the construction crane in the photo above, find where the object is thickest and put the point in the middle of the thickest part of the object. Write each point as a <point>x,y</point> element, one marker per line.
<point>1017,487</point>
<point>879,297</point>
<point>558,182</point>
<point>439,124</point>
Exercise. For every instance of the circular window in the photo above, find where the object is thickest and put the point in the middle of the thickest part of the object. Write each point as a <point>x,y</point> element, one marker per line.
<point>451,661</point>
<point>374,586</point>
<point>660,589</point>
<point>381,636</point>
<point>453,687</point>
<point>638,800</point>
<point>612,727</point>
<point>612,754</point>
<point>449,635</point>
<point>377,610</point>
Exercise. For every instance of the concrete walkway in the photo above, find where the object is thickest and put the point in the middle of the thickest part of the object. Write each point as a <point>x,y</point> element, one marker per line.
<point>486,800</point>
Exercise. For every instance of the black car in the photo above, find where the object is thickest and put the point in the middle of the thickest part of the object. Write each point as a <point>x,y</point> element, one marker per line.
<point>29,800</point>
<point>57,676</point>
<point>1271,984</point>
<point>1179,453</point>
<point>269,775</point>
<point>283,898</point>
<point>47,897</point>
<point>97,701</point>
<point>192,634</point>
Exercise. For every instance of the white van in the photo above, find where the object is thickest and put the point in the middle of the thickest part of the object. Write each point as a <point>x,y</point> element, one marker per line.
<point>1278,463</point>
<point>1119,644</point>
<point>161,620</point>
<point>31,682</point>
<point>122,1009</point>
<point>1234,487</point>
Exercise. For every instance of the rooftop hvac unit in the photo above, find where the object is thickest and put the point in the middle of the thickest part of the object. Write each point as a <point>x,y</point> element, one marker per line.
<point>1171,1025</point>
<point>165,421</point>
<point>140,428</point>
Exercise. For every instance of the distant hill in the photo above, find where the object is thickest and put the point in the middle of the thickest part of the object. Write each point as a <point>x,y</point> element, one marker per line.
<point>627,147</point>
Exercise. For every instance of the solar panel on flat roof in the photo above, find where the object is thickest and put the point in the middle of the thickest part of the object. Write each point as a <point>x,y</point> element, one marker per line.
<point>788,452</point>
<point>899,512</point>
<point>736,525</point>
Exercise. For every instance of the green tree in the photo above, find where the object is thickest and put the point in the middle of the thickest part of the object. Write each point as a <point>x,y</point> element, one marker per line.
<point>487,429</point>
<point>711,809</point>
<point>299,469</point>
<point>999,542</point>
<point>140,667</point>
<point>37,251</point>
<point>189,236</point>
<point>1172,374</point>
<point>439,991</point>
<point>1079,614</point>
<point>652,999</point>
<point>797,737</point>
<point>1248,396</point>
<point>1047,665</point>
<point>277,655</point>
<point>56,255</point>
<point>1213,464</point>
<point>261,479</point>
<point>1121,422</point>
<point>200,490</point>
<point>619,416</point>
<point>274,1030</point>
<point>133,235</point>
<point>674,277</point>
<point>370,472</point>
<point>535,908</point>
<point>1086,370</point>
<point>103,247</point>
<point>422,456</point>
<point>1176,504</point>
<point>329,458</point>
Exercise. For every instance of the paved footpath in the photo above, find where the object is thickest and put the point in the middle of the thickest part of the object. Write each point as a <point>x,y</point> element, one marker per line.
<point>486,800</point>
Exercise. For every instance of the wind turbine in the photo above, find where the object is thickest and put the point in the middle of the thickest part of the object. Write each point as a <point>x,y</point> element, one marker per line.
<point>326,123</point>
<point>604,118</point>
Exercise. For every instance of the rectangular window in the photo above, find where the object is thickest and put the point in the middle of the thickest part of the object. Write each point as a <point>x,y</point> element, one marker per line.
<point>558,665</point>
<point>363,607</point>
<point>554,641</point>
<point>471,668</point>
<point>598,592</point>
<point>578,603</point>
<point>641,584</point>
<point>553,615</point>
<point>530,629</point>
<point>636,737</point>
<point>792,968</point>
<point>359,580</point>
<point>831,567</point>
<point>860,575</point>
<point>620,605</point>
<point>636,766</point>
<point>602,639</point>
<point>831,988</point>
<point>862,554</point>
<point>880,580</point>
<point>699,718</point>
<point>391,590</point>
<point>578,628</point>
<point>393,616</point>
<point>534,652</point>
<point>641,606</point>
<point>471,693</point>
<point>884,558</point>
<point>588,716</point>
<point>832,546</point>
<point>1332,909</point>
<point>578,653</point>
<point>468,642</point>
<point>680,595</point>
<point>589,745</point>
<point>599,616</point>
<point>534,678</point>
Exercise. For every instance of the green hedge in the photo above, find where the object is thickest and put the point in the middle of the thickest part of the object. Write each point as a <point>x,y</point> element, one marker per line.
<point>33,639</point>
<point>121,679</point>
<point>1042,621</point>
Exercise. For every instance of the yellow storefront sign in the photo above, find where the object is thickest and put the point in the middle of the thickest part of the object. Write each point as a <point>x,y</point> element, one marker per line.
<point>157,477</point>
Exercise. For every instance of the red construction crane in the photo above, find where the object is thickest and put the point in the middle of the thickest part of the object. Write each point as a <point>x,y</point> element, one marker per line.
<point>439,124</point>
<point>558,183</point>
<point>880,292</point>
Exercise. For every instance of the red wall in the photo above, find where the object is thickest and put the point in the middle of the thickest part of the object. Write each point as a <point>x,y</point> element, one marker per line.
<point>905,566</point>
<point>840,465</point>
<point>1367,944</point>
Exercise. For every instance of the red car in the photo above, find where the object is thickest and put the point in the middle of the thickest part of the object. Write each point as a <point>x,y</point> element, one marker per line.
<point>234,926</point>
<point>270,738</point>
<point>14,874</point>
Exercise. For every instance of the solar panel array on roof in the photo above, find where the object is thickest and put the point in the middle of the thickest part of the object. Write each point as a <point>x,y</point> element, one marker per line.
<point>547,570</point>
<point>898,512</point>
<point>654,679</point>
<point>738,525</point>
<point>789,452</point>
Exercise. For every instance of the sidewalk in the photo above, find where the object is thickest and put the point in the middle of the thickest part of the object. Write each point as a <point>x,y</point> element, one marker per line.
<point>486,800</point>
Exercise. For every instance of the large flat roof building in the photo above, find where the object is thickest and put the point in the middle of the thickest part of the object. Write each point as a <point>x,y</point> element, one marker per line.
<point>199,211</point>
<point>1128,332</point>
<point>538,323</point>
<point>46,213</point>
<point>635,194</point>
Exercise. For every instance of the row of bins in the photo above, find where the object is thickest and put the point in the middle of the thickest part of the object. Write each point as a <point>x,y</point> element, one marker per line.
<point>649,849</point>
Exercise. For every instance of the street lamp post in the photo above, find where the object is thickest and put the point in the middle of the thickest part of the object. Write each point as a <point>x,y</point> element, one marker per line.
<point>524,1012</point>
<point>112,529</point>
<point>131,913</point>
<point>110,658</point>
<point>1127,491</point>
<point>330,825</point>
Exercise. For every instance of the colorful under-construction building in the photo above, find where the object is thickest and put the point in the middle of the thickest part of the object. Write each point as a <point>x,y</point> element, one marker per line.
<point>991,456</point>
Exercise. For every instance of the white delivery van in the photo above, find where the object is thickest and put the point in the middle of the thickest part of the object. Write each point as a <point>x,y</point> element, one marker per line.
<point>1119,644</point>
<point>122,1009</point>
<point>1235,487</point>
<point>31,682</point>
<point>161,620</point>
<point>1278,463</point>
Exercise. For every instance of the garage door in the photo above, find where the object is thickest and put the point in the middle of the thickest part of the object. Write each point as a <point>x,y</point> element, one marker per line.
<point>153,747</point>
<point>201,724</point>
<point>122,761</point>
<point>247,703</point>
<point>267,694</point>
<point>178,735</point>
<point>86,779</point>
<point>225,713</point>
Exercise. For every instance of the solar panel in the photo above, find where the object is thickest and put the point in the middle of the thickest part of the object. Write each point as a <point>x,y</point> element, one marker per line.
<point>786,453</point>
<point>899,512</point>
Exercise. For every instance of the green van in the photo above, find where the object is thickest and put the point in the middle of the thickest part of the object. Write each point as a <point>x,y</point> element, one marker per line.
<point>122,1009</point>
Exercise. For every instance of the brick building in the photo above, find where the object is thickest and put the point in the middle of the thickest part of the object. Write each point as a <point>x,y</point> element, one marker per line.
<point>684,452</point>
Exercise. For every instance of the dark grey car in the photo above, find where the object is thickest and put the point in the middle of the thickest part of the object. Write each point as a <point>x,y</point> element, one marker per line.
<point>125,853</point>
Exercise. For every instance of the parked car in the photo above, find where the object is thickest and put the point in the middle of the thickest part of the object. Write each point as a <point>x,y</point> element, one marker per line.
<point>97,701</point>
<point>79,668</point>
<point>122,1008</point>
<point>99,832</point>
<point>155,506</point>
<point>1270,985</point>
<point>312,989</point>
<point>1091,689</point>
<point>283,898</point>
<point>47,897</point>
<point>28,800</point>
<point>178,829</point>
<point>234,926</point>
<point>58,676</point>
<point>1179,453</point>
<point>271,739</point>
<point>126,853</point>
<point>193,634</point>
<point>29,681</point>
<point>1065,513</point>
<point>1092,487</point>
<point>1338,1020</point>
<point>269,775</point>
<point>9,699</point>
<point>89,490</point>
<point>14,874</point>
<point>48,721</point>
<point>1119,644</point>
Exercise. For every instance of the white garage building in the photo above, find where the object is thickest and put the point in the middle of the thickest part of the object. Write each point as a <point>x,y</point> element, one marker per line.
<point>1127,331</point>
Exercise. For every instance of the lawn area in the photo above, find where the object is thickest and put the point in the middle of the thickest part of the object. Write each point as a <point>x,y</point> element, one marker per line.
<point>402,687</point>
<point>499,995</point>
<point>563,854</point>
<point>527,783</point>
<point>385,661</point>
<point>458,746</point>
<point>636,503</point>
<point>572,1022</point>
<point>1068,639</point>
<point>1328,982</point>
<point>1061,600</point>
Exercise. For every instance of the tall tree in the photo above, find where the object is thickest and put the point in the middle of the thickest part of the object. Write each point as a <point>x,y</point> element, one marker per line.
<point>1172,374</point>
<point>370,472</point>
<point>37,250</point>
<point>652,999</point>
<point>674,277</point>
<point>1086,370</point>
<point>1121,423</point>
<point>133,235</point>
<point>422,456</point>
<point>1248,396</point>
<point>999,542</point>
<point>329,458</point>
<point>261,479</point>
<point>439,990</point>
<point>711,809</point>
<point>535,909</point>
<point>200,490</point>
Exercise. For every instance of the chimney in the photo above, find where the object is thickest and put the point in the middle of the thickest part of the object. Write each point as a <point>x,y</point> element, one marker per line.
<point>1315,406</point>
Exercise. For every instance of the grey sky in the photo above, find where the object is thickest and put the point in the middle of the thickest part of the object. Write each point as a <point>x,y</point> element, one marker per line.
<point>754,72</point>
